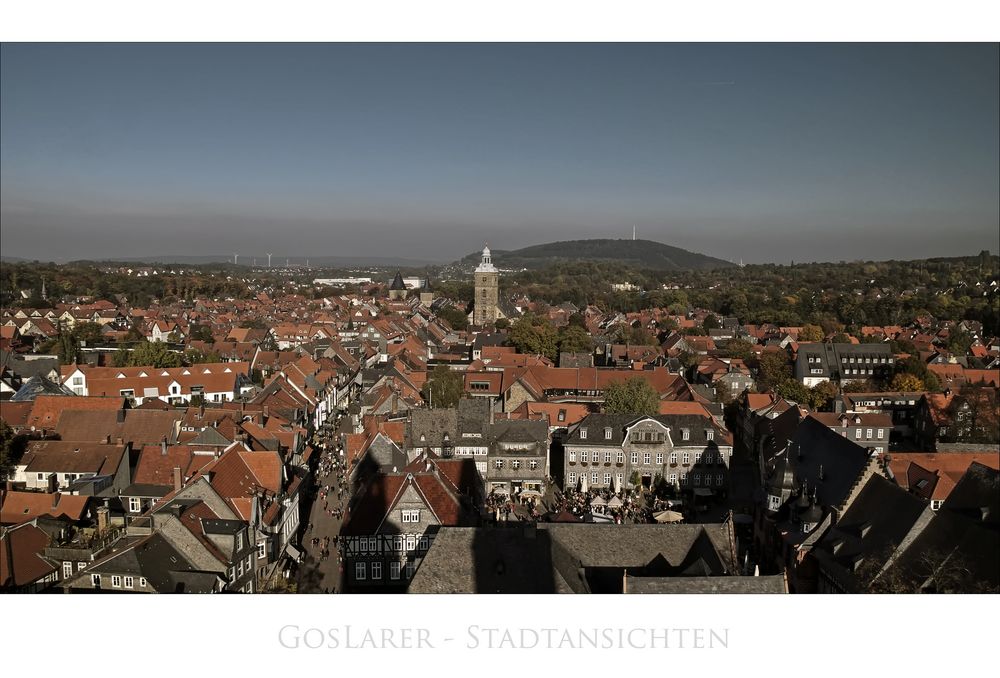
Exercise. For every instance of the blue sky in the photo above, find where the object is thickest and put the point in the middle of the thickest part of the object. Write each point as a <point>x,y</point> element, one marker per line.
<point>760,152</point>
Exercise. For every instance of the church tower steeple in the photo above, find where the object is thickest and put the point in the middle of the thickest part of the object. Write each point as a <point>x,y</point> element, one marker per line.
<point>487,283</point>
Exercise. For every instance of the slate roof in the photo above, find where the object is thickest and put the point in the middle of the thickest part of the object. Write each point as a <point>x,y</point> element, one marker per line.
<point>564,557</point>
<point>880,520</point>
<point>762,584</point>
<point>697,425</point>
<point>827,461</point>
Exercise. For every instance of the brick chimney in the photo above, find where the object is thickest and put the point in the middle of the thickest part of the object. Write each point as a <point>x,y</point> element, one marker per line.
<point>102,519</point>
<point>163,447</point>
<point>178,480</point>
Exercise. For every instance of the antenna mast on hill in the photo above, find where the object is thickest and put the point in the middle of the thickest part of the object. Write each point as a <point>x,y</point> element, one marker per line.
<point>269,260</point>
<point>236,259</point>
<point>633,232</point>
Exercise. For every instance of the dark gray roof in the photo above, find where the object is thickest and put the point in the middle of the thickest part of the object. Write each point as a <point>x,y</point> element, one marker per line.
<point>473,416</point>
<point>220,526</point>
<point>427,427</point>
<point>164,567</point>
<point>28,368</point>
<point>825,460</point>
<point>397,282</point>
<point>728,584</point>
<point>209,436</point>
<point>563,557</point>
<point>595,424</point>
<point>976,495</point>
<point>880,520</point>
<point>146,490</point>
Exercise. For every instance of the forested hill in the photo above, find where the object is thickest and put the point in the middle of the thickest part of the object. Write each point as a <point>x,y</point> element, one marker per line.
<point>646,254</point>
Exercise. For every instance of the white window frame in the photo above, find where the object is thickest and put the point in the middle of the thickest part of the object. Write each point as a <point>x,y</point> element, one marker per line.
<point>685,434</point>
<point>620,457</point>
<point>686,459</point>
<point>583,434</point>
<point>394,570</point>
<point>142,582</point>
<point>360,571</point>
<point>95,579</point>
<point>608,434</point>
<point>376,571</point>
<point>572,478</point>
<point>67,569</point>
<point>659,457</point>
<point>607,479</point>
<point>572,456</point>
<point>129,582</point>
<point>134,505</point>
<point>709,434</point>
<point>673,457</point>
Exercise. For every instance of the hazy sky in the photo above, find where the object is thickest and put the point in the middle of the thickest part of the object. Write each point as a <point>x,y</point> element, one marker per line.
<point>765,152</point>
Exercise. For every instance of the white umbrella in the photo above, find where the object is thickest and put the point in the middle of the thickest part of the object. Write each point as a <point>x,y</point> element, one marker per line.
<point>617,484</point>
<point>598,501</point>
<point>615,503</point>
<point>583,482</point>
<point>668,517</point>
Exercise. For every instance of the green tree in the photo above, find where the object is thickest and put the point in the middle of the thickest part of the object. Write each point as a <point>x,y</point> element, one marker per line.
<point>575,339</point>
<point>633,396</point>
<point>711,323</point>
<point>454,317</point>
<point>737,348</point>
<point>444,388</point>
<point>201,333</point>
<point>772,369</point>
<point>501,324</point>
<point>822,395</point>
<point>794,390</point>
<point>193,356</point>
<point>11,448</point>
<point>153,354</point>
<point>534,334</point>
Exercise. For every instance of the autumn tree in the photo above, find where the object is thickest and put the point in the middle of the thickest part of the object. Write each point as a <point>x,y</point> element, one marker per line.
<point>633,396</point>
<point>772,369</point>
<point>811,333</point>
<point>906,382</point>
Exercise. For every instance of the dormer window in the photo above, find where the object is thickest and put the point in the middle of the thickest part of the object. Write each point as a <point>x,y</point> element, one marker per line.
<point>709,434</point>
<point>773,502</point>
<point>607,434</point>
<point>583,434</point>
<point>685,434</point>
